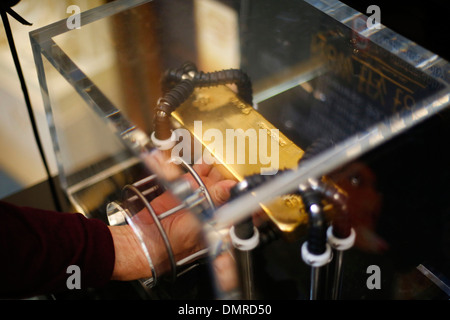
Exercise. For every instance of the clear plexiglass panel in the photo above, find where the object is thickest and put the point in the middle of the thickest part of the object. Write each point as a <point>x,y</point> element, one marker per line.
<point>335,88</point>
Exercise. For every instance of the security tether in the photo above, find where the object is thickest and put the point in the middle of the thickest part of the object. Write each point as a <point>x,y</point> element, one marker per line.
<point>5,9</point>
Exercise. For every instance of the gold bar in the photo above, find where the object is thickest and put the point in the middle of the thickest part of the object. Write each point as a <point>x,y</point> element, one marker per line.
<point>219,110</point>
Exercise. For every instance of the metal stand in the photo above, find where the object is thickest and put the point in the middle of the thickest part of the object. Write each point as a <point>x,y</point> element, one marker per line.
<point>339,245</point>
<point>316,252</point>
<point>244,243</point>
<point>316,262</point>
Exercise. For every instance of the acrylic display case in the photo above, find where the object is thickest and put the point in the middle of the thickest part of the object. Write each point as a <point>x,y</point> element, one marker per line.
<point>358,106</point>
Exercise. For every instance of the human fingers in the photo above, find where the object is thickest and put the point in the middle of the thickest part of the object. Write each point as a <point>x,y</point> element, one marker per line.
<point>202,169</point>
<point>225,269</point>
<point>220,191</point>
<point>215,175</point>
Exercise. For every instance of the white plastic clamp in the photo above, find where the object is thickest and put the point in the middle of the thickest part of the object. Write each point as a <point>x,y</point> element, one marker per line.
<point>164,144</point>
<point>314,260</point>
<point>341,244</point>
<point>245,244</point>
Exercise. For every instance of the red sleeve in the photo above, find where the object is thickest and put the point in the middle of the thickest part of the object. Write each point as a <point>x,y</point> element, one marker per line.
<point>37,246</point>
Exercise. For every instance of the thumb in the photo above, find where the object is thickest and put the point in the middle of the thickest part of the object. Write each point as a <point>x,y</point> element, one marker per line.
<point>220,191</point>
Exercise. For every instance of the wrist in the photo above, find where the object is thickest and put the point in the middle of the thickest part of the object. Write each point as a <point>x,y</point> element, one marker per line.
<point>130,262</point>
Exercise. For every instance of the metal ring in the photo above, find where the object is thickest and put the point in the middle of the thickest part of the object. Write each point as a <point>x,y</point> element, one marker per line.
<point>158,224</point>
<point>152,280</point>
<point>160,229</point>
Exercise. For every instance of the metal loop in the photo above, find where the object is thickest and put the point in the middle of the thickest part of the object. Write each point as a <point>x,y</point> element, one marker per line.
<point>151,282</point>
<point>160,229</point>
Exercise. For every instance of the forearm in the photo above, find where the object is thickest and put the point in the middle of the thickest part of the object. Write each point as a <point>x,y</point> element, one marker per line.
<point>40,245</point>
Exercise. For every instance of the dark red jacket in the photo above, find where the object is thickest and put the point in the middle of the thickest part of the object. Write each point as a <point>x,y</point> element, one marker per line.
<point>37,246</point>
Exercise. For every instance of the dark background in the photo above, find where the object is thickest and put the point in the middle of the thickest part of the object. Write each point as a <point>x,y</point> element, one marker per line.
<point>424,22</point>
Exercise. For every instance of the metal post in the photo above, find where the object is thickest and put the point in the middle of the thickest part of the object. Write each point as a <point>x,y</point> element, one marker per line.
<point>244,244</point>
<point>339,245</point>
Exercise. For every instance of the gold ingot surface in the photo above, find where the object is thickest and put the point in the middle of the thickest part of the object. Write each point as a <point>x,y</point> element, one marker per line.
<point>218,108</point>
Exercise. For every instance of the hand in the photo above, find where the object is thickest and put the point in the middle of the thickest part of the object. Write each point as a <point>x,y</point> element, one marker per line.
<point>182,228</point>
